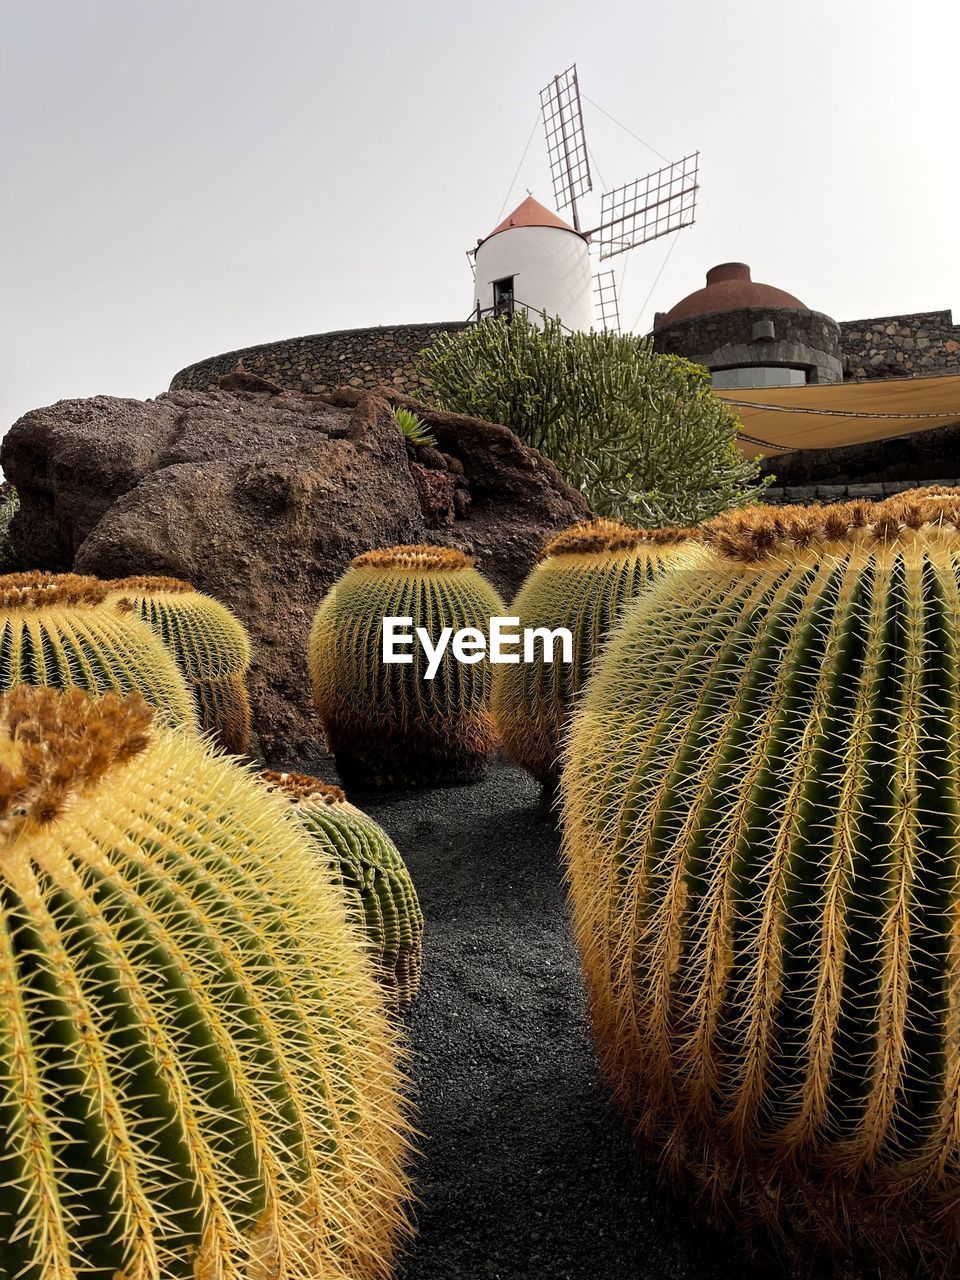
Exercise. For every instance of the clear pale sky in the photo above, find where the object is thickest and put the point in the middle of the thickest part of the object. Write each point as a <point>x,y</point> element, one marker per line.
<point>183,177</point>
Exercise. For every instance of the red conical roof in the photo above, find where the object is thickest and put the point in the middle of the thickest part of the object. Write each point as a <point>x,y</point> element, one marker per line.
<point>531,213</point>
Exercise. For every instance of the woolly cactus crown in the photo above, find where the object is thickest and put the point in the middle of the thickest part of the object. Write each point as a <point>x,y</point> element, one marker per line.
<point>139,584</point>
<point>417,557</point>
<point>300,788</point>
<point>40,590</point>
<point>56,744</point>
<point>753,533</point>
<point>607,537</point>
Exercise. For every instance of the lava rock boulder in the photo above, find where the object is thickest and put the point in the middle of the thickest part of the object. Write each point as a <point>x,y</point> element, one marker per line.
<point>262,497</point>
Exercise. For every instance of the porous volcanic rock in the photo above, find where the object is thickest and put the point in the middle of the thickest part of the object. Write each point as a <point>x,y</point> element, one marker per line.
<point>262,497</point>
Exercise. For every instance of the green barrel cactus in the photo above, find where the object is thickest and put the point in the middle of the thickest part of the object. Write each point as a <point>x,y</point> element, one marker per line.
<point>762,813</point>
<point>211,648</point>
<point>55,631</point>
<point>198,1079</point>
<point>366,864</point>
<point>585,580</point>
<point>387,724</point>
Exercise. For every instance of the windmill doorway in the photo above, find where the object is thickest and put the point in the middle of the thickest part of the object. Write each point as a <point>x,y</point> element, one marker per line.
<point>503,300</point>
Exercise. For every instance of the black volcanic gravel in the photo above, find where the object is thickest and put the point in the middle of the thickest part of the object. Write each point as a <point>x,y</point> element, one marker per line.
<point>525,1169</point>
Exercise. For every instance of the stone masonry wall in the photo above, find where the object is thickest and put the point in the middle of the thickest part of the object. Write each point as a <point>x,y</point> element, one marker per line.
<point>384,356</point>
<point>891,346</point>
<point>722,339</point>
<point>897,346</point>
<point>805,495</point>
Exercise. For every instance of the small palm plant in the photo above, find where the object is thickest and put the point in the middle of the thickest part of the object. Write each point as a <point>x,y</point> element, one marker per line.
<point>413,427</point>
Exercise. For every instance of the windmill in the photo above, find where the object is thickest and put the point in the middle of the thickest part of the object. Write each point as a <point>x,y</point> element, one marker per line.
<point>630,215</point>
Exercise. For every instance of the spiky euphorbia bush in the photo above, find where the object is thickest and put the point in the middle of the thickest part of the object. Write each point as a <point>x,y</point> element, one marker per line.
<point>211,648</point>
<point>585,579</point>
<point>197,1077</point>
<point>367,865</point>
<point>55,631</point>
<point>762,806</point>
<point>387,725</point>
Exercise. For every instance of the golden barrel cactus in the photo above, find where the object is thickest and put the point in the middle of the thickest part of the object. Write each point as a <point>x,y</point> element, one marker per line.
<point>211,648</point>
<point>198,1080</point>
<point>387,724</point>
<point>55,631</point>
<point>585,580</point>
<point>762,809</point>
<point>366,864</point>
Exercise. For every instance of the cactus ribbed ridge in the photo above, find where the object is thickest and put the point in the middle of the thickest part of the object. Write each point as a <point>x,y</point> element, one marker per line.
<point>210,645</point>
<point>762,813</point>
<point>367,865</point>
<point>198,1080</point>
<point>55,631</point>
<point>585,580</point>
<point>386,724</point>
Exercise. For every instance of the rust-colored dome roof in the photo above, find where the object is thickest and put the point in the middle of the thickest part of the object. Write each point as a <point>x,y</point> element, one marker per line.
<point>728,288</point>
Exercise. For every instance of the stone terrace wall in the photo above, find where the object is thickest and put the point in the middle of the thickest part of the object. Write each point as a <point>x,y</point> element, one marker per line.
<point>889,346</point>
<point>384,356</point>
<point>897,346</point>
<point>805,495</point>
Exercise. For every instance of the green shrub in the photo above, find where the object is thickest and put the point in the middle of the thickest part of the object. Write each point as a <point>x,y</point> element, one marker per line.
<point>9,506</point>
<point>641,435</point>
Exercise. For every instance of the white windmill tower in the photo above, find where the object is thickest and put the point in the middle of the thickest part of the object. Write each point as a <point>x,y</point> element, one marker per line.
<point>536,262</point>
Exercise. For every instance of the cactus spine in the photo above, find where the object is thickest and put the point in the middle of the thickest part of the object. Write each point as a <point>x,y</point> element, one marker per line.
<point>366,864</point>
<point>197,1078</point>
<point>585,580</point>
<point>762,808</point>
<point>387,724</point>
<point>55,631</point>
<point>211,648</point>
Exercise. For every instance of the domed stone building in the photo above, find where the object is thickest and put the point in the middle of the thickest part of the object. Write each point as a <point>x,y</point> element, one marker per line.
<point>749,334</point>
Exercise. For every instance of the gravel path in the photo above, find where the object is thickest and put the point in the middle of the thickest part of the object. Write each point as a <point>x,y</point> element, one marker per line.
<point>525,1170</point>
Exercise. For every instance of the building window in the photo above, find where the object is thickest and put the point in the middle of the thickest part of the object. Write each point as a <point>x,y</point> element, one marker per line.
<point>503,296</point>
<point>759,375</point>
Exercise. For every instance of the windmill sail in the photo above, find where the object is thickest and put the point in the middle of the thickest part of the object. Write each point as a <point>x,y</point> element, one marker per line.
<point>646,208</point>
<point>566,141</point>
<point>605,300</point>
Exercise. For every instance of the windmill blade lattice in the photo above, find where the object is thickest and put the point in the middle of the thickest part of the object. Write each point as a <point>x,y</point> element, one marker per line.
<point>605,300</point>
<point>643,210</point>
<point>566,141</point>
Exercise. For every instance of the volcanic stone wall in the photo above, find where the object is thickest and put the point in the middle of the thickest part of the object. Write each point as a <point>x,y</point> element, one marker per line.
<point>724,339</point>
<point>806,495</point>
<point>384,356</point>
<point>890,346</point>
<point>927,342</point>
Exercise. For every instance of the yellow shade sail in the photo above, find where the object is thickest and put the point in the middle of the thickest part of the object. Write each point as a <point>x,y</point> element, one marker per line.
<point>827,415</point>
